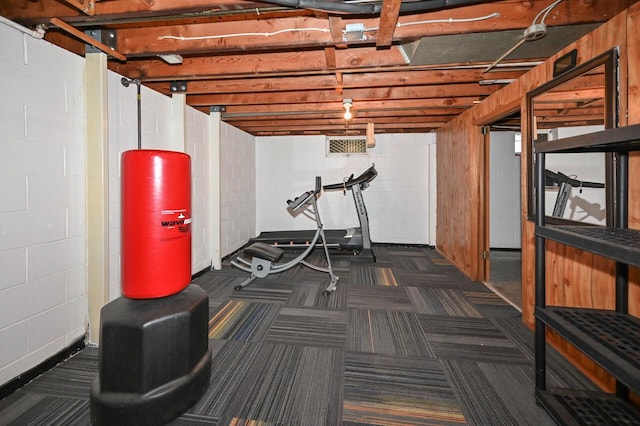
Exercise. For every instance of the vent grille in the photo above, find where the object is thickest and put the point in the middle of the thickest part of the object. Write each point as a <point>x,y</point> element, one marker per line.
<point>347,145</point>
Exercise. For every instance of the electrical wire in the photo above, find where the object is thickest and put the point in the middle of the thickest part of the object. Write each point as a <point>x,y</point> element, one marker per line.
<point>325,30</point>
<point>288,30</point>
<point>544,13</point>
<point>442,21</point>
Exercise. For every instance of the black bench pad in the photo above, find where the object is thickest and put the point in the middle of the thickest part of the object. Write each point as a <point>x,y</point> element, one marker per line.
<point>264,251</point>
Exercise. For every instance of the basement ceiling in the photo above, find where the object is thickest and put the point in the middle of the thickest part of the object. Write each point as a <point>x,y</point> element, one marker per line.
<point>285,67</point>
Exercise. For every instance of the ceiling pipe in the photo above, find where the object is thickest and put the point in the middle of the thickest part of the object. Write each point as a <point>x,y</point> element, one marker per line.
<point>374,9</point>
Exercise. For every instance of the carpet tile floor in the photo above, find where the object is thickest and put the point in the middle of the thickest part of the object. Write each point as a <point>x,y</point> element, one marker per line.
<point>408,340</point>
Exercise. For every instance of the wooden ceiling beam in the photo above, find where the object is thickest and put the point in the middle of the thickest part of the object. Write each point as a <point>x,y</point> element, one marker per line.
<point>388,20</point>
<point>88,7</point>
<point>335,120</point>
<point>571,95</point>
<point>259,63</point>
<point>328,126</point>
<point>189,12</point>
<point>345,80</point>
<point>358,95</point>
<point>226,37</point>
<point>406,104</point>
<point>142,10</point>
<point>413,114</point>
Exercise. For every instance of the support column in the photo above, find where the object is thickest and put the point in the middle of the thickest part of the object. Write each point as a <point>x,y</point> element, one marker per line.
<point>215,218</point>
<point>97,189</point>
<point>179,122</point>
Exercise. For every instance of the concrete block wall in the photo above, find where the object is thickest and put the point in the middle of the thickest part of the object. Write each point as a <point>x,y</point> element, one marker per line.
<point>237,188</point>
<point>197,129</point>
<point>43,292</point>
<point>397,201</point>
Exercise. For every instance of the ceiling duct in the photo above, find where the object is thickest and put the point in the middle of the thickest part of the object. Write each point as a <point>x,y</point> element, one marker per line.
<point>481,47</point>
<point>342,7</point>
<point>535,31</point>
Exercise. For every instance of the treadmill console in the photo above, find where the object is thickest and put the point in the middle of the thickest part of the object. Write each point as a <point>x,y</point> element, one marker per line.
<point>362,179</point>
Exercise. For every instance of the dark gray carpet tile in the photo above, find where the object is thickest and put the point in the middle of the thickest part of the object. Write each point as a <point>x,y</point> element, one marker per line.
<point>465,284</point>
<point>390,390</point>
<point>33,409</point>
<point>441,301</point>
<point>69,379</point>
<point>414,263</point>
<point>290,385</point>
<point>194,420</point>
<point>407,278</point>
<point>423,302</point>
<point>478,349</point>
<point>370,275</point>
<point>470,339</point>
<point>513,384</point>
<point>242,320</point>
<point>518,333</point>
<point>310,327</point>
<point>267,290</point>
<point>219,285</point>
<point>398,250</point>
<point>491,305</point>
<point>387,332</point>
<point>310,295</point>
<point>379,298</point>
<point>559,371</point>
<point>495,394</point>
<point>230,363</point>
<point>481,403</point>
<point>303,274</point>
<point>459,326</point>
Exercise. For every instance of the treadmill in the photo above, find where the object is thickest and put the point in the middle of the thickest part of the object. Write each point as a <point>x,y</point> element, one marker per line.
<point>565,183</point>
<point>352,242</point>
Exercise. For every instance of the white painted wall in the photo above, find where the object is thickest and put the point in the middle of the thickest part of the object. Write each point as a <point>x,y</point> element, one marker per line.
<point>237,188</point>
<point>504,191</point>
<point>586,205</point>
<point>197,129</point>
<point>43,291</point>
<point>397,201</point>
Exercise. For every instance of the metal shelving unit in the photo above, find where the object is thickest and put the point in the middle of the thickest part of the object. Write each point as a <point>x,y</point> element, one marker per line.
<point>611,338</point>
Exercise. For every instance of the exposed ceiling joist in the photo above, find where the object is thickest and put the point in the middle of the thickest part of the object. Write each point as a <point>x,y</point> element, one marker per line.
<point>280,69</point>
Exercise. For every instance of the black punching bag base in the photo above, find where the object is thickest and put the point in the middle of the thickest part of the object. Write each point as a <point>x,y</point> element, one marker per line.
<point>155,360</point>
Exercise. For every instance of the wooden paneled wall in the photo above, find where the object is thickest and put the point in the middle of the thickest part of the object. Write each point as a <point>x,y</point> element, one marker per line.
<point>574,277</point>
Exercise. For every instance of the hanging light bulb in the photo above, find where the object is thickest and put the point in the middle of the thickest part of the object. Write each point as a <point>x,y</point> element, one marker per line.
<point>347,104</point>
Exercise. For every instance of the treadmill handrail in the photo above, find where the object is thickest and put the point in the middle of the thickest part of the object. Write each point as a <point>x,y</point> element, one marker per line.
<point>559,177</point>
<point>364,177</point>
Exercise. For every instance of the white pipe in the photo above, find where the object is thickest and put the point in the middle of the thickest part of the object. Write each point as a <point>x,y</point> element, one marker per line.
<point>37,33</point>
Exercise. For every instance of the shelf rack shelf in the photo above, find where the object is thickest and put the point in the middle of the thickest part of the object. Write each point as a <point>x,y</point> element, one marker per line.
<point>611,338</point>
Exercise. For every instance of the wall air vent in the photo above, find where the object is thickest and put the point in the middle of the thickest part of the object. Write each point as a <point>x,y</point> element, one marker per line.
<point>338,145</point>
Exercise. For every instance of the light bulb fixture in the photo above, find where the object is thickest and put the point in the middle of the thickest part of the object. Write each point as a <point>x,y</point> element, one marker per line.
<point>347,104</point>
<point>171,58</point>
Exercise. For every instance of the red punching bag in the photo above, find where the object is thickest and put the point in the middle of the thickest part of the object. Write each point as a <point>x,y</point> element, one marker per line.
<point>156,223</point>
